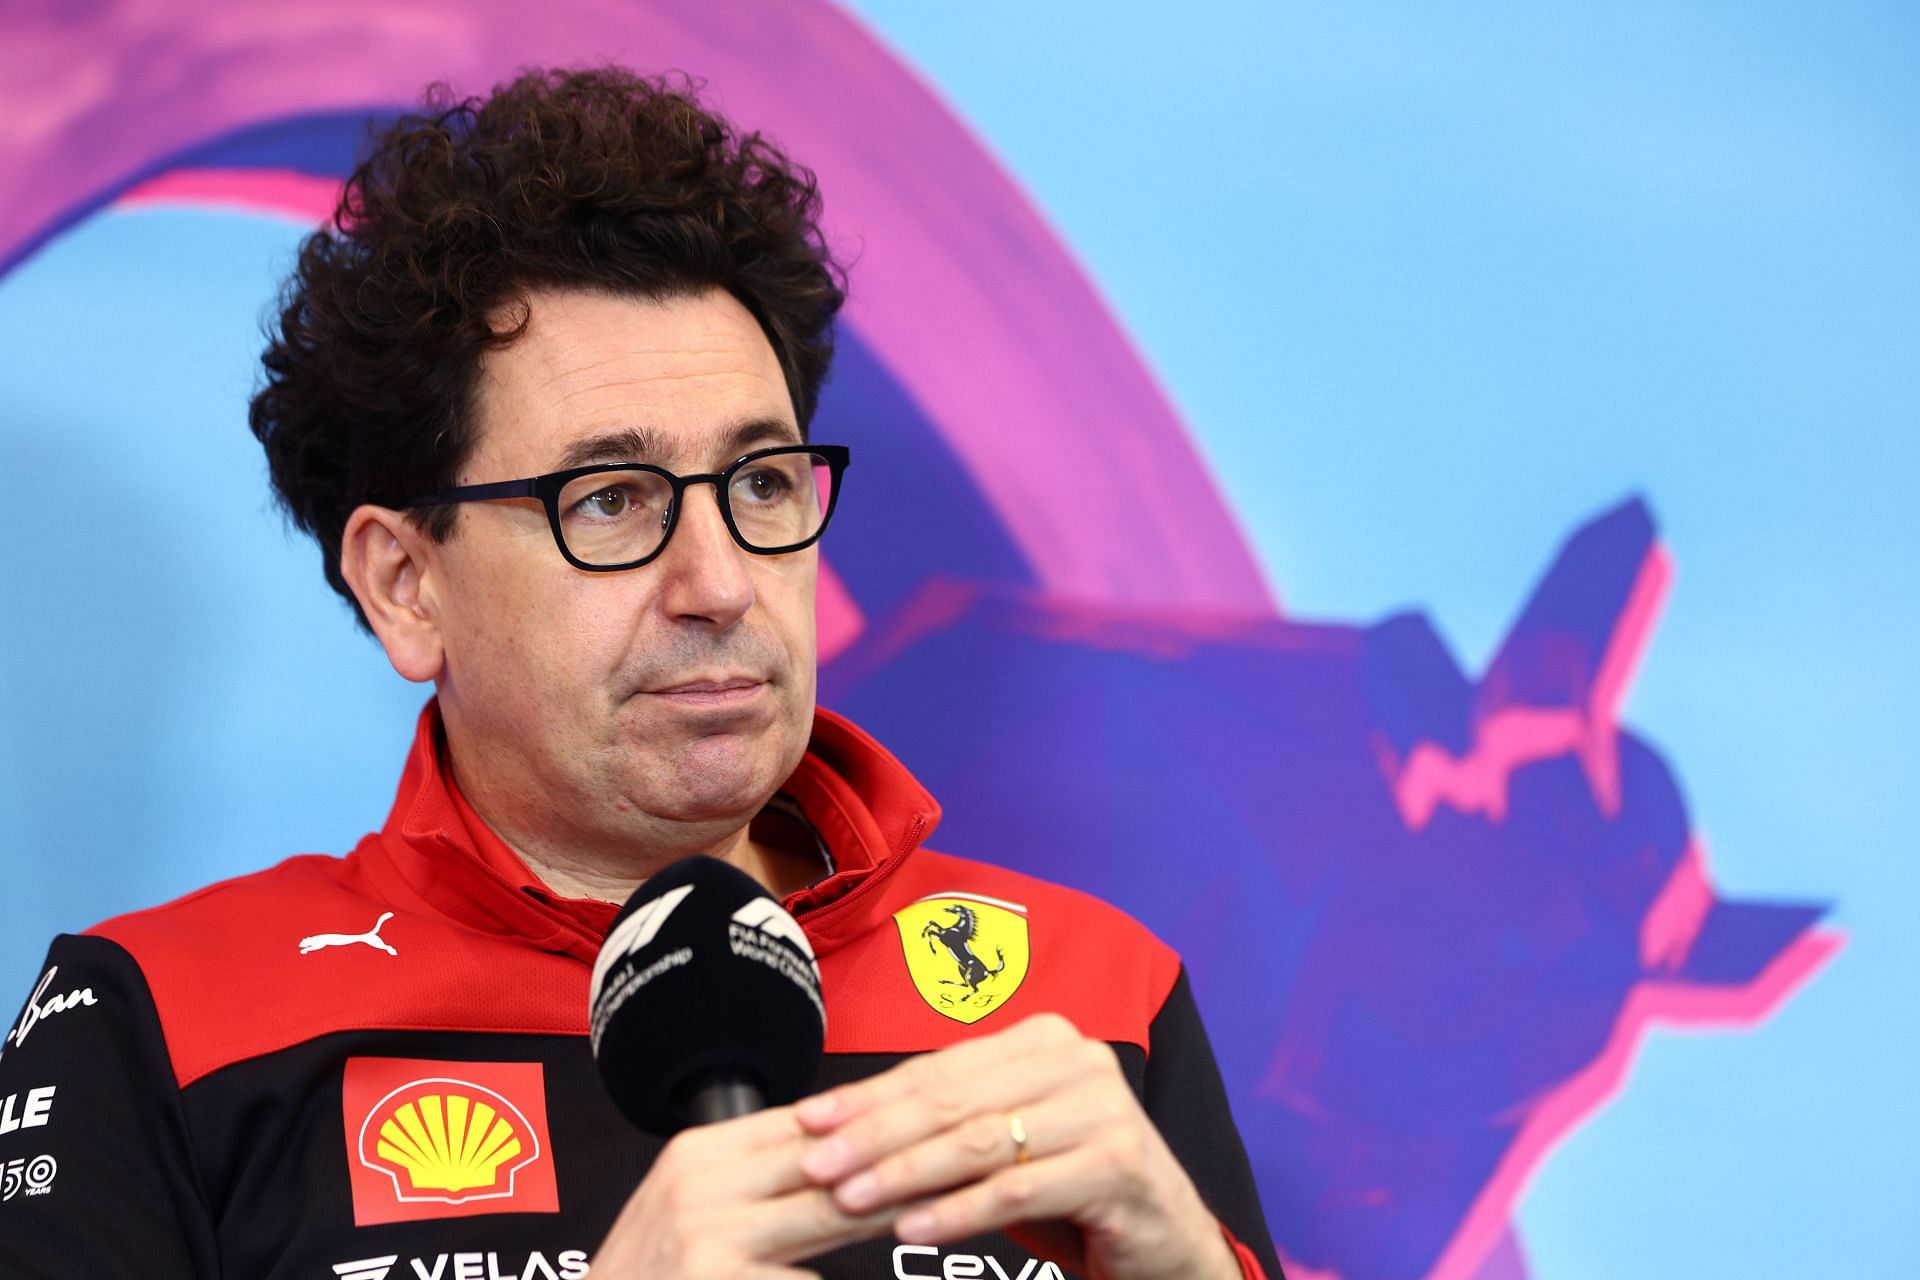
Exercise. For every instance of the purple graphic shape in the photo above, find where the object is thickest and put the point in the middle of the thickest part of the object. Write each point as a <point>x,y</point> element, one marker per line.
<point>1410,1008</point>
<point>962,292</point>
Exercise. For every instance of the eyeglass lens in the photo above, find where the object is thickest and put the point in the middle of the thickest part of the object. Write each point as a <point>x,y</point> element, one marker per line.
<point>615,517</point>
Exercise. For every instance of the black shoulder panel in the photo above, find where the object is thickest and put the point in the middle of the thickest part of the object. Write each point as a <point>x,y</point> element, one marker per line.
<point>96,1172</point>
<point>1189,1105</point>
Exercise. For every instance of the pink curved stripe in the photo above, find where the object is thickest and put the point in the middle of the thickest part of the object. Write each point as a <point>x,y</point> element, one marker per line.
<point>274,192</point>
<point>1506,1261</point>
<point>960,288</point>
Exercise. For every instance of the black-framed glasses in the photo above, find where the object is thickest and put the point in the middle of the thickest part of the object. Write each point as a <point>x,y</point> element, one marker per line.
<point>619,515</point>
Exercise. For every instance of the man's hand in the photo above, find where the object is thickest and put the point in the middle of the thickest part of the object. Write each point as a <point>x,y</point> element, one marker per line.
<point>1095,1188</point>
<point>729,1202</point>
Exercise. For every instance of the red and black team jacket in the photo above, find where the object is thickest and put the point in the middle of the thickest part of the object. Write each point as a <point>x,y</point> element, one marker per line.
<point>377,1066</point>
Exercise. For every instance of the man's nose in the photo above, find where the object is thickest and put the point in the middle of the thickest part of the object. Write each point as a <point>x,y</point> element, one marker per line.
<point>706,577</point>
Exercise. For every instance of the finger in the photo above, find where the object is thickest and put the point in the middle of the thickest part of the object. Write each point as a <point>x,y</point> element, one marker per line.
<point>1057,1187</point>
<point>935,1096</point>
<point>768,1271</point>
<point>803,1223</point>
<point>747,1134</point>
<point>974,1149</point>
<point>713,1219</point>
<point>751,1158</point>
<point>985,1057</point>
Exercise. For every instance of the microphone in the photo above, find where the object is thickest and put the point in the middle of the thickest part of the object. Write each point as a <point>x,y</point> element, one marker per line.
<point>705,1001</point>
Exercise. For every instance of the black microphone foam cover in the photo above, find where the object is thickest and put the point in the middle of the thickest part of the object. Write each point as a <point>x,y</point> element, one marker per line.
<point>703,977</point>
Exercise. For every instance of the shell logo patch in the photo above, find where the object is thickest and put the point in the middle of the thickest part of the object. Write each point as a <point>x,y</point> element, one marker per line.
<point>446,1139</point>
<point>966,954</point>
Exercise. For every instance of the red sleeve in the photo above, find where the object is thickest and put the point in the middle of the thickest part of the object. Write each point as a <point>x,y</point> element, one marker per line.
<point>1250,1268</point>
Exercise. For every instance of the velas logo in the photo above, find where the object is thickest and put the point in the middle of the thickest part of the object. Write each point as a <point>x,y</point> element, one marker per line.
<point>432,1139</point>
<point>966,954</point>
<point>567,1264</point>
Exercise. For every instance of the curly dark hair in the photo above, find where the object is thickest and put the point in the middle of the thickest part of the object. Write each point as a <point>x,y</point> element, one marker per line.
<point>596,178</point>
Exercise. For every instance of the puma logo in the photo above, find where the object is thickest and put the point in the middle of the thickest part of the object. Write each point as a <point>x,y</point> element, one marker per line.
<point>371,937</point>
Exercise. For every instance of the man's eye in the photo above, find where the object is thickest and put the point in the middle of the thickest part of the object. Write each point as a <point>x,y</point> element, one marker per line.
<point>608,502</point>
<point>761,486</point>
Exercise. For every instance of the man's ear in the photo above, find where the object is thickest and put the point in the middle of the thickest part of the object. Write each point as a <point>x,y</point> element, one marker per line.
<point>388,561</point>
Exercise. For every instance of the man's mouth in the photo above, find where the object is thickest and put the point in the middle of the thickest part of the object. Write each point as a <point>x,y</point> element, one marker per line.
<point>723,691</point>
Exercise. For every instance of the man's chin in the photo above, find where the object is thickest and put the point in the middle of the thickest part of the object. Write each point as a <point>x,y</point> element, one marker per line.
<point>721,777</point>
<point>707,766</point>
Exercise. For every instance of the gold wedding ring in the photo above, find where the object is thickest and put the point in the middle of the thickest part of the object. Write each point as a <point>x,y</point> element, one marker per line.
<point>1018,1132</point>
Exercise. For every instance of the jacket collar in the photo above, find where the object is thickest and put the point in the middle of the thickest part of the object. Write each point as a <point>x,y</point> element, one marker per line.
<point>867,808</point>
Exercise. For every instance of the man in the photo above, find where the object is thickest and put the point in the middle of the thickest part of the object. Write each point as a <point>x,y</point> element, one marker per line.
<point>542,394</point>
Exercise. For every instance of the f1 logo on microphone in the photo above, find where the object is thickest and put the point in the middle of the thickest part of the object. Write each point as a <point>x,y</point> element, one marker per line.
<point>633,933</point>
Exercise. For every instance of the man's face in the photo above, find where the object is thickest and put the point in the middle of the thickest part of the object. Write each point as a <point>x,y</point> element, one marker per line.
<point>653,710</point>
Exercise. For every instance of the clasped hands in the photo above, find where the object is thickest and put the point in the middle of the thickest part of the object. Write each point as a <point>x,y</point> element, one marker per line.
<point>931,1151</point>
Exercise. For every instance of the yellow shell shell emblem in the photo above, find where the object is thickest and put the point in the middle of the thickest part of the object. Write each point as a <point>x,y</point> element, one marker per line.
<point>967,955</point>
<point>454,1142</point>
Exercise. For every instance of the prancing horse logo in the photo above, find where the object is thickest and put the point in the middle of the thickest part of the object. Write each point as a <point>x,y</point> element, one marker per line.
<point>967,954</point>
<point>957,938</point>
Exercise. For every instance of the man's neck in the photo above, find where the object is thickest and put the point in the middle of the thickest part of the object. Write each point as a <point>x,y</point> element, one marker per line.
<point>765,851</point>
<point>782,854</point>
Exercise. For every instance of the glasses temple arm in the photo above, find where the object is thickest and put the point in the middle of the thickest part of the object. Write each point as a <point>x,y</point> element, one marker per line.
<point>474,493</point>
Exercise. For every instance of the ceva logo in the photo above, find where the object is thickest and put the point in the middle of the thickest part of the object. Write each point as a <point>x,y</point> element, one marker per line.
<point>446,1139</point>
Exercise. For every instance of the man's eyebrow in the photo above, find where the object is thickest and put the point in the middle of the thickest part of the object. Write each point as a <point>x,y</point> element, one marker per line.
<point>632,444</point>
<point>760,431</point>
<point>644,444</point>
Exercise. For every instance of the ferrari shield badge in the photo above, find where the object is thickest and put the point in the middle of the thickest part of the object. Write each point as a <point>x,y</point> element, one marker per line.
<point>967,955</point>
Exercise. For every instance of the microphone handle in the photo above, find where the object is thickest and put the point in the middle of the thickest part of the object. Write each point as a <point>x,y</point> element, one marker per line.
<point>726,1097</point>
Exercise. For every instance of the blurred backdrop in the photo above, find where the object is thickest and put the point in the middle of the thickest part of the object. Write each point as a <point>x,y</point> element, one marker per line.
<point>1407,502</point>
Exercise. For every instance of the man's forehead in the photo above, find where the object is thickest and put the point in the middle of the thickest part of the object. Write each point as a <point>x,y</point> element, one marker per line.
<point>606,378</point>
